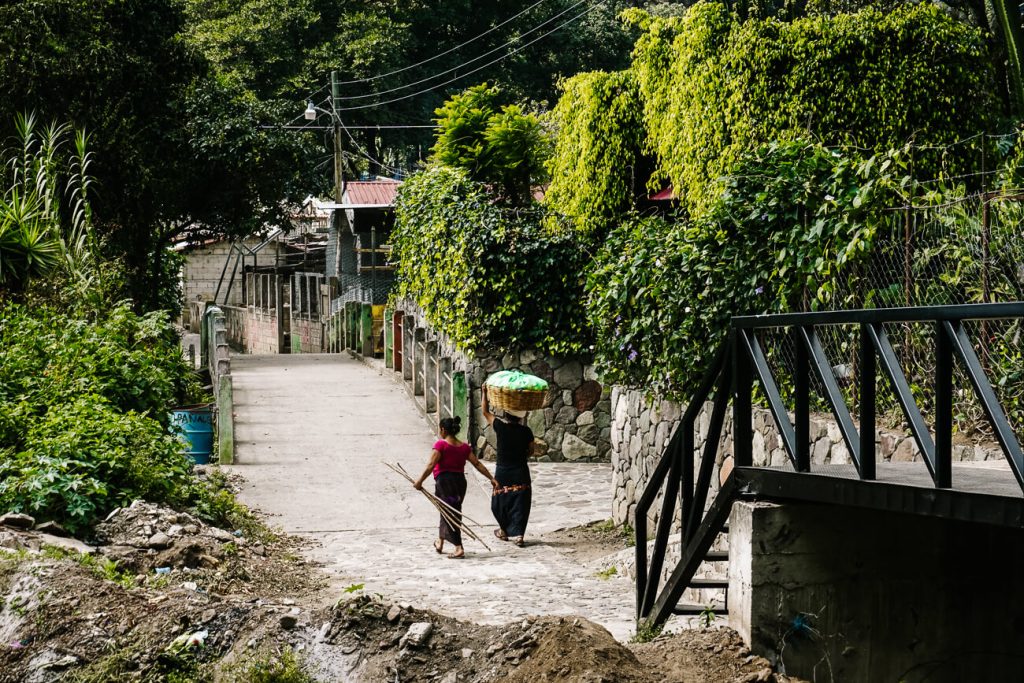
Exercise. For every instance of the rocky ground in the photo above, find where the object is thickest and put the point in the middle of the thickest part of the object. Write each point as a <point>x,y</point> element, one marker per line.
<point>161,596</point>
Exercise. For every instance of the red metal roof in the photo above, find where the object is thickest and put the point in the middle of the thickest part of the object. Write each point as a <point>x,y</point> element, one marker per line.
<point>373,192</point>
<point>664,195</point>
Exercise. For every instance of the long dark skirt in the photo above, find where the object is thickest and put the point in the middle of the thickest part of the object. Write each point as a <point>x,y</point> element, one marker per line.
<point>451,488</point>
<point>512,509</point>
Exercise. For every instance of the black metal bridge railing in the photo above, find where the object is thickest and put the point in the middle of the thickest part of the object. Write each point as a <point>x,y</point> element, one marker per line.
<point>740,361</point>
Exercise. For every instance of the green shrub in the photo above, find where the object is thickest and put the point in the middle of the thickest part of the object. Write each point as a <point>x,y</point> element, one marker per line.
<point>713,87</point>
<point>486,275</point>
<point>85,458</point>
<point>791,221</point>
<point>597,168</point>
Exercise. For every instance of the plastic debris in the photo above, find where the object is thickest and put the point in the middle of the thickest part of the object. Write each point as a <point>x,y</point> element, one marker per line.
<point>163,570</point>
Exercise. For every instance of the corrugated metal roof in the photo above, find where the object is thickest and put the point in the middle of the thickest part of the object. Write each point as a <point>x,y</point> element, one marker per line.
<point>371,192</point>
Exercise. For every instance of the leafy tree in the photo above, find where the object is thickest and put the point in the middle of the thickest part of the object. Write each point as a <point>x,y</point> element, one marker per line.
<point>713,87</point>
<point>598,167</point>
<point>499,145</point>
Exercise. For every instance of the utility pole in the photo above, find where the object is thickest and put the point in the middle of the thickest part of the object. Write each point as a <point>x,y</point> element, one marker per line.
<point>339,160</point>
<point>341,218</point>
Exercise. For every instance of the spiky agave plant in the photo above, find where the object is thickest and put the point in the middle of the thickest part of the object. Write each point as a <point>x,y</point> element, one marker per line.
<point>43,230</point>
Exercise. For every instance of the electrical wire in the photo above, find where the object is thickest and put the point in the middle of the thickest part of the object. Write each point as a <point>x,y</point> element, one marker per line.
<point>366,154</point>
<point>467,63</point>
<point>442,54</point>
<point>479,68</point>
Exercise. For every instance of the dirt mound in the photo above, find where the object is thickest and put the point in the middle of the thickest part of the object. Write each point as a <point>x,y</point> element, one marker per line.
<point>574,650</point>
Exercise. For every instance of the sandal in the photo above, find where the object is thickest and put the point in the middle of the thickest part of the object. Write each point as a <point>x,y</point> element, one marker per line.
<point>457,556</point>
<point>500,535</point>
<point>518,541</point>
<point>439,546</point>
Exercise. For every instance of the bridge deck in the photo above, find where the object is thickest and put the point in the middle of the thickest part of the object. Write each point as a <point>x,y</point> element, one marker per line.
<point>982,492</point>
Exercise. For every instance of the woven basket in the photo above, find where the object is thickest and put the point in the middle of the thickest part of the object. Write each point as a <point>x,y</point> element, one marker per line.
<point>515,399</point>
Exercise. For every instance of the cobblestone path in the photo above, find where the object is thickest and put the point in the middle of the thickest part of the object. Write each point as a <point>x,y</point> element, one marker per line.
<point>312,432</point>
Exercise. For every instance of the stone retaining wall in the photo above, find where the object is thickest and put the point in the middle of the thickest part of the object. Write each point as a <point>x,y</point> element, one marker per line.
<point>575,424</point>
<point>641,428</point>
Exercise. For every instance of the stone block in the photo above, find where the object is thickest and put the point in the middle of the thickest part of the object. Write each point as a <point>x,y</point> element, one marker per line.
<point>554,435</point>
<point>821,450</point>
<point>602,418</point>
<point>566,397</point>
<point>589,433</point>
<point>906,451</point>
<point>540,368</point>
<point>566,415</point>
<point>586,396</point>
<point>585,418</point>
<point>536,422</point>
<point>569,375</point>
<point>574,448</point>
<point>527,356</point>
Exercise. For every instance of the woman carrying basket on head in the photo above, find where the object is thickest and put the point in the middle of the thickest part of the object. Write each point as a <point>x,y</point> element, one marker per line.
<point>448,465</point>
<point>511,499</point>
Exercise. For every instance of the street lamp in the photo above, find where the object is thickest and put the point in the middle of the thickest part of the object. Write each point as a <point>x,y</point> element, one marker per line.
<point>310,112</point>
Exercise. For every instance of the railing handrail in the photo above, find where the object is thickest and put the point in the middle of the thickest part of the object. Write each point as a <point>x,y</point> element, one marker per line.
<point>883,315</point>
<point>740,360</point>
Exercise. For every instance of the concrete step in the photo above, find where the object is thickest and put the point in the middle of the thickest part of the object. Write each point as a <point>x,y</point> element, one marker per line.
<point>692,609</point>
<point>708,583</point>
<point>717,556</point>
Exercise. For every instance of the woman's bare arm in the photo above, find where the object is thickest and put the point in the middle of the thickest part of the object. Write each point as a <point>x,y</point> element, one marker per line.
<point>485,408</point>
<point>482,469</point>
<point>435,457</point>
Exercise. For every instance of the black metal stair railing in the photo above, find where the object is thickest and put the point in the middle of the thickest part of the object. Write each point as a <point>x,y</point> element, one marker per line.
<point>731,376</point>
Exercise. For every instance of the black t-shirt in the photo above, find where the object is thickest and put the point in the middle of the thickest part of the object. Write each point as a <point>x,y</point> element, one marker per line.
<point>513,453</point>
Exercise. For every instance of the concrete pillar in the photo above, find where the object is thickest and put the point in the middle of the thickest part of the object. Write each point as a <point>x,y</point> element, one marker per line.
<point>366,330</point>
<point>225,421</point>
<point>444,388</point>
<point>460,402</point>
<point>430,385</point>
<point>408,338</point>
<point>389,339</point>
<point>418,360</point>
<point>851,594</point>
<point>397,338</point>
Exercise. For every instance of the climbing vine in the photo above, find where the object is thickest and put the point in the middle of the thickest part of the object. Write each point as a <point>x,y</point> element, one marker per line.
<point>597,166</point>
<point>485,274</point>
<point>713,87</point>
<point>792,220</point>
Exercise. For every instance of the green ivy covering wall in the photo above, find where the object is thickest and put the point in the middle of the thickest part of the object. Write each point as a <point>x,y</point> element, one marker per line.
<point>597,167</point>
<point>713,87</point>
<point>792,220</point>
<point>488,275</point>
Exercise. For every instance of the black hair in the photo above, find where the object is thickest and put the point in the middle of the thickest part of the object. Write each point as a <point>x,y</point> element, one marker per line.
<point>451,425</point>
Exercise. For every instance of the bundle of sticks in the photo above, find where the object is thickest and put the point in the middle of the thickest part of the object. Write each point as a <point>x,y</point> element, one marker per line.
<point>455,518</point>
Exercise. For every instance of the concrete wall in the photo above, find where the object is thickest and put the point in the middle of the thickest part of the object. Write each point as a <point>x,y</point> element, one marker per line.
<point>261,332</point>
<point>844,594</point>
<point>641,428</point>
<point>307,335</point>
<point>204,265</point>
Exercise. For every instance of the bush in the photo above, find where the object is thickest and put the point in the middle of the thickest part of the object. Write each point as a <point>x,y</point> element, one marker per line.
<point>792,220</point>
<point>713,87</point>
<point>486,275</point>
<point>85,458</point>
<point>84,413</point>
<point>597,168</point>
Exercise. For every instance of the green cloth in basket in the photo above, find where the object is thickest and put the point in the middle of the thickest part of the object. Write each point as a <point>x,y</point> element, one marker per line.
<point>516,381</point>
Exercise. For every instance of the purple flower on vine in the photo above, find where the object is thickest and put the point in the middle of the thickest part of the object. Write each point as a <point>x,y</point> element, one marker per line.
<point>759,290</point>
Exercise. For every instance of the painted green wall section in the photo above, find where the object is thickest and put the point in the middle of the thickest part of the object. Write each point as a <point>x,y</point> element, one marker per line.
<point>366,331</point>
<point>226,421</point>
<point>352,313</point>
<point>460,399</point>
<point>389,338</point>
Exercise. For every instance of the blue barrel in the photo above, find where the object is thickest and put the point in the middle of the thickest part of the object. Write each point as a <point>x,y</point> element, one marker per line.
<point>195,423</point>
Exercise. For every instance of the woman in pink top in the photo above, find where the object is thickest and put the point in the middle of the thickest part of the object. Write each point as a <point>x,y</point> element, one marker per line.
<point>448,464</point>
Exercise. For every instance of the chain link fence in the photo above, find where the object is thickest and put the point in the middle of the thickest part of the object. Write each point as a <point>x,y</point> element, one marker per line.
<point>967,251</point>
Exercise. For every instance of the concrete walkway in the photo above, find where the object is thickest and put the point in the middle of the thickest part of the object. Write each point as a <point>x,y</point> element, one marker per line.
<point>311,432</point>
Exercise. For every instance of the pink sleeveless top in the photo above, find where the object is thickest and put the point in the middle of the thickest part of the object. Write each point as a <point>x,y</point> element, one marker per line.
<point>453,458</point>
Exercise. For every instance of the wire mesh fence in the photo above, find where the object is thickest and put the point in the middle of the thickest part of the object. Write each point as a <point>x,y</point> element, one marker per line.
<point>967,251</point>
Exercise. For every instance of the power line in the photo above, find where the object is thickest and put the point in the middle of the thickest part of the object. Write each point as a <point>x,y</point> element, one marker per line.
<point>442,54</point>
<point>480,68</point>
<point>360,127</point>
<point>467,63</point>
